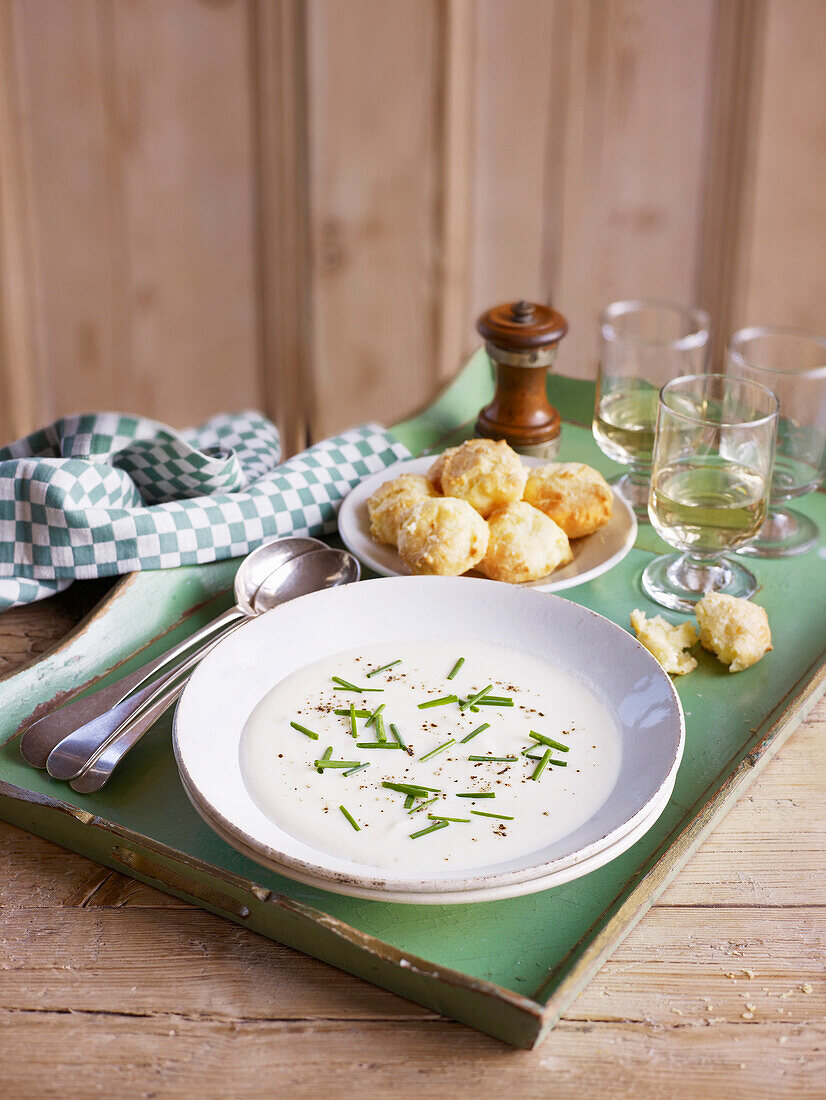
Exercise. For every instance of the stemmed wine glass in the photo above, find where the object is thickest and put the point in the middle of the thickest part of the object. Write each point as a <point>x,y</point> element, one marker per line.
<point>643,344</point>
<point>792,362</point>
<point>712,461</point>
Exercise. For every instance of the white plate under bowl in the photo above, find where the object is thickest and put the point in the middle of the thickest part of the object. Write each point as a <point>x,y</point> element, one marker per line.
<point>593,555</point>
<point>234,677</point>
<point>462,897</point>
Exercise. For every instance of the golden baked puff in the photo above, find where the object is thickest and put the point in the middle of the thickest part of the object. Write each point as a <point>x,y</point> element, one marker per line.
<point>575,496</point>
<point>735,630</point>
<point>390,503</point>
<point>442,536</point>
<point>484,472</point>
<point>434,474</point>
<point>523,545</point>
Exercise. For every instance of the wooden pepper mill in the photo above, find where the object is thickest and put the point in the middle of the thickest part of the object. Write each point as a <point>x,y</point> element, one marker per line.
<point>521,338</point>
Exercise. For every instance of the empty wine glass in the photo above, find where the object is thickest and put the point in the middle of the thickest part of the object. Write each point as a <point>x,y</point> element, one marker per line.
<point>643,344</point>
<point>712,461</point>
<point>792,362</point>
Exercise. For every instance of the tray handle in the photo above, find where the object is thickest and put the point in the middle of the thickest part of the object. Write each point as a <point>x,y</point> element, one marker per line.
<point>136,864</point>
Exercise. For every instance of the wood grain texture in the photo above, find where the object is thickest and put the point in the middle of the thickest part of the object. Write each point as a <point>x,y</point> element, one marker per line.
<point>374,158</point>
<point>139,137</point>
<point>733,124</point>
<point>305,204</point>
<point>784,279</point>
<point>633,161</point>
<point>522,58</point>
<point>719,991</point>
<point>21,350</point>
<point>279,36</point>
<point>458,84</point>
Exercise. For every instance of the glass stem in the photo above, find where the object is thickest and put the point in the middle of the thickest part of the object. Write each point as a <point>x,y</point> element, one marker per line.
<point>699,574</point>
<point>640,476</point>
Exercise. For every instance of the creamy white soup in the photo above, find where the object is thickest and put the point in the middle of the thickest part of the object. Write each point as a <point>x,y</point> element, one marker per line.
<point>431,781</point>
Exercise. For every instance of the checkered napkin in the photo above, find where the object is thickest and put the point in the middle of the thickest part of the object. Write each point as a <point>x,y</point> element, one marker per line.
<point>99,494</point>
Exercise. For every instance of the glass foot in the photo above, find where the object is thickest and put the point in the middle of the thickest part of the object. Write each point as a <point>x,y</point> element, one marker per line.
<point>635,491</point>
<point>784,534</point>
<point>678,582</point>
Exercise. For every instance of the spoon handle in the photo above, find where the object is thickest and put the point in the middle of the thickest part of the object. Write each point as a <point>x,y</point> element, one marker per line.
<point>76,750</point>
<point>98,773</point>
<point>42,736</point>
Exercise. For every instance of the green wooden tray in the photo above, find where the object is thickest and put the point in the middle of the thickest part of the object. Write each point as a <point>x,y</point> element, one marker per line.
<point>509,968</point>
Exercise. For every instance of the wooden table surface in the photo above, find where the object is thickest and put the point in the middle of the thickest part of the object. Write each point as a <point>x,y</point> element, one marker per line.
<point>108,987</point>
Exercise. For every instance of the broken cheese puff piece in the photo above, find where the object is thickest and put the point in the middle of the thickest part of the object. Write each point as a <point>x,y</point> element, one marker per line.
<point>666,642</point>
<point>736,631</point>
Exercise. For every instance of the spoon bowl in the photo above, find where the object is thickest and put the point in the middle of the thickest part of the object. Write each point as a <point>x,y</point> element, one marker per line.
<point>310,572</point>
<point>263,562</point>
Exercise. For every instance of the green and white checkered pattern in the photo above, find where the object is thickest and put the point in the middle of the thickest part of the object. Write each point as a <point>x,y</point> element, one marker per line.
<point>94,495</point>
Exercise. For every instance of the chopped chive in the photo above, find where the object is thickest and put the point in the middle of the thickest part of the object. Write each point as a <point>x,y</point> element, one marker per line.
<point>540,767</point>
<point>472,700</point>
<point>304,730</point>
<point>328,752</point>
<point>347,686</point>
<point>344,712</point>
<point>351,819</point>
<point>320,765</point>
<point>410,788</point>
<point>484,813</point>
<point>438,817</point>
<point>439,748</point>
<point>548,741</point>
<point>455,668</point>
<point>360,768</point>
<point>374,715</point>
<point>430,829</point>
<point>533,756</point>
<point>495,759</point>
<point>494,701</point>
<point>381,735</point>
<point>377,745</point>
<point>439,702</point>
<point>383,668</point>
<point>530,754</point>
<point>394,729</point>
<point>424,805</point>
<point>354,730</point>
<point>409,800</point>
<point>472,734</point>
<point>478,794</point>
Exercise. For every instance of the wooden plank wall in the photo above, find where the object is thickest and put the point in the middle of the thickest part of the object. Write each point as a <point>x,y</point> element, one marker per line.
<point>303,204</point>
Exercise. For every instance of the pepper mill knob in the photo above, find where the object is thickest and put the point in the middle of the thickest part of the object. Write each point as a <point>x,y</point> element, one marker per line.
<point>522,339</point>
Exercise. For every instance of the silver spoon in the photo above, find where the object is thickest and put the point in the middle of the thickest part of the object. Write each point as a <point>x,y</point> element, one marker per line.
<point>68,758</point>
<point>42,736</point>
<point>309,573</point>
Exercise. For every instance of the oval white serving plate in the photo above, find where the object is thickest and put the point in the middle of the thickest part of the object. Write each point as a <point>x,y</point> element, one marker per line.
<point>593,555</point>
<point>234,677</point>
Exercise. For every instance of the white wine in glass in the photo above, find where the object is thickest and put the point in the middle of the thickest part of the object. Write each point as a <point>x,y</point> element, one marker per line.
<point>643,345</point>
<point>624,422</point>
<point>707,504</point>
<point>712,462</point>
